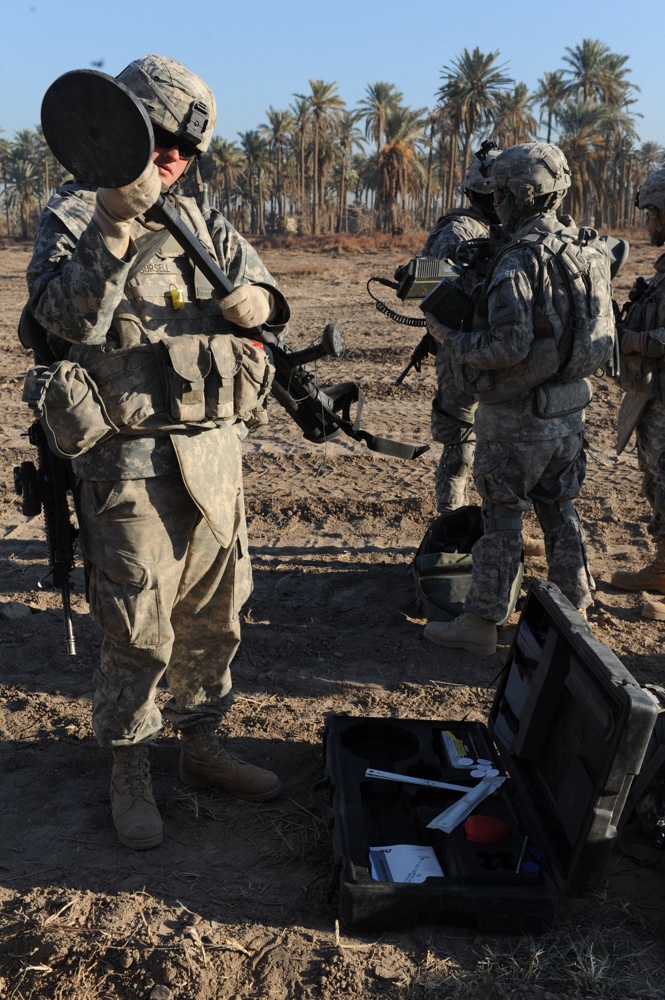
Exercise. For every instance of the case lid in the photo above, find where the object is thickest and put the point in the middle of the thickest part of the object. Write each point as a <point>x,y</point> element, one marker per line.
<point>575,726</point>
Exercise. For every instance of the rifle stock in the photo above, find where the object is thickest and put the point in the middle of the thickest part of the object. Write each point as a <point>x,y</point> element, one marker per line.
<point>46,489</point>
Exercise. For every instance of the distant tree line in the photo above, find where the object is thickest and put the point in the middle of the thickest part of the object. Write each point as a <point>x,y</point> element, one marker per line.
<point>321,167</point>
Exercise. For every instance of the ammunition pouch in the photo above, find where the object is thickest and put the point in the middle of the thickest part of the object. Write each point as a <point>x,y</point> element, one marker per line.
<point>188,365</point>
<point>500,385</point>
<point>69,407</point>
<point>178,382</point>
<point>558,399</point>
<point>252,383</point>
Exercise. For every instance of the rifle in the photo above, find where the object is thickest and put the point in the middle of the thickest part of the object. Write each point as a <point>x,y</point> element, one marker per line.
<point>424,348</point>
<point>48,487</point>
<point>88,120</point>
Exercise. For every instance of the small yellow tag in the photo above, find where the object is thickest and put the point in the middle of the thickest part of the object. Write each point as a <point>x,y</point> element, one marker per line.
<point>177,298</point>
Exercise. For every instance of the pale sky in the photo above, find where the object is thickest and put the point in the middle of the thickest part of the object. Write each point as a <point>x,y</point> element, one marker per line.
<point>258,54</point>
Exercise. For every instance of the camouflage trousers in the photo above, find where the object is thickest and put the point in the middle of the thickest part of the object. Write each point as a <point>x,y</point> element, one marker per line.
<point>650,434</point>
<point>166,596</point>
<point>516,475</point>
<point>452,426</point>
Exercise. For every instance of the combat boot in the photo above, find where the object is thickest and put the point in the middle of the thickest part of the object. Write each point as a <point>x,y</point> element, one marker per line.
<point>652,577</point>
<point>206,763</point>
<point>135,815</point>
<point>468,631</point>
<point>654,610</point>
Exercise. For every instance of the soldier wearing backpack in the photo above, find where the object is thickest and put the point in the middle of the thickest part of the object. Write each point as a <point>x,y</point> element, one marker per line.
<point>544,323</point>
<point>452,408</point>
<point>643,379</point>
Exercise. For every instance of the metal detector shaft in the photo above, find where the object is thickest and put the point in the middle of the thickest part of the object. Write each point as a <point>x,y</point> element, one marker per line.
<point>164,213</point>
<point>288,377</point>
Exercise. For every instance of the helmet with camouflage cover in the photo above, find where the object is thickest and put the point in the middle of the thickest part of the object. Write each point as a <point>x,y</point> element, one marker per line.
<point>175,98</point>
<point>651,193</point>
<point>477,184</point>
<point>477,178</point>
<point>527,178</point>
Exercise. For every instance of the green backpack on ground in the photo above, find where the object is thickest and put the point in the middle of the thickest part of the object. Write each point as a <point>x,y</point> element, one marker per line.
<point>442,565</point>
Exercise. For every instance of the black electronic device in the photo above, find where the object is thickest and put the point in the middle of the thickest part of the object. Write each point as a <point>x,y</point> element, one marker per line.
<point>449,304</point>
<point>420,275</point>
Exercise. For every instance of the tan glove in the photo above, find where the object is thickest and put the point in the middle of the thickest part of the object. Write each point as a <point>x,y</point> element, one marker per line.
<point>438,330</point>
<point>116,208</point>
<point>248,306</point>
<point>640,342</point>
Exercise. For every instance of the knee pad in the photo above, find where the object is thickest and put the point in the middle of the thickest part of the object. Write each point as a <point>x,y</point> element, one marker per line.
<point>458,458</point>
<point>499,517</point>
<point>553,515</point>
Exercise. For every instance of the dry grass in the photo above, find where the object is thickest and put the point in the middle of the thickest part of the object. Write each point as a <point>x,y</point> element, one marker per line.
<point>344,243</point>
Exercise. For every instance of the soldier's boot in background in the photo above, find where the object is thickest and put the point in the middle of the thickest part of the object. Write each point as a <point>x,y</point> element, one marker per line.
<point>206,763</point>
<point>468,631</point>
<point>135,815</point>
<point>654,610</point>
<point>651,577</point>
<point>533,546</point>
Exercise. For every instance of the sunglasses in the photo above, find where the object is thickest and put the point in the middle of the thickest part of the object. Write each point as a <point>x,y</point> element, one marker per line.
<point>167,140</point>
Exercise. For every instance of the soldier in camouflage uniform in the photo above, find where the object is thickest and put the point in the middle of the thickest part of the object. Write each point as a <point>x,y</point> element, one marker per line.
<point>162,512</point>
<point>643,378</point>
<point>453,409</point>
<point>522,459</point>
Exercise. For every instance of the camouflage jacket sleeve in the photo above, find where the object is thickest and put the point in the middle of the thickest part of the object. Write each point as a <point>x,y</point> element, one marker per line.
<point>74,281</point>
<point>506,337</point>
<point>240,261</point>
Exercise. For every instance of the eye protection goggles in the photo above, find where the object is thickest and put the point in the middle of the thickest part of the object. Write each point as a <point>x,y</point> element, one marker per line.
<point>167,140</point>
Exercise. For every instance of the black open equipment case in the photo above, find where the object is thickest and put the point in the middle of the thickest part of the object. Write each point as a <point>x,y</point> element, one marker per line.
<point>569,728</point>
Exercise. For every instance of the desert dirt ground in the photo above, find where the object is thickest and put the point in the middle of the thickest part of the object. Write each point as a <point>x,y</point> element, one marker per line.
<point>236,902</point>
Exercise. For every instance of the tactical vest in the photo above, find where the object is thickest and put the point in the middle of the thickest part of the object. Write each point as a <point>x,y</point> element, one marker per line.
<point>645,376</point>
<point>153,374</point>
<point>573,321</point>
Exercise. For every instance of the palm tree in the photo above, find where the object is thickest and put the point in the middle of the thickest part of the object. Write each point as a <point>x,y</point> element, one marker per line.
<point>472,83</point>
<point>582,125</point>
<point>299,138</point>
<point>551,93</point>
<point>514,122</point>
<point>347,138</point>
<point>5,153</point>
<point>586,63</point>
<point>650,156</point>
<point>22,189</point>
<point>326,108</point>
<point>612,84</point>
<point>278,132</point>
<point>258,166</point>
<point>400,172</point>
<point>381,98</point>
<point>227,162</point>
